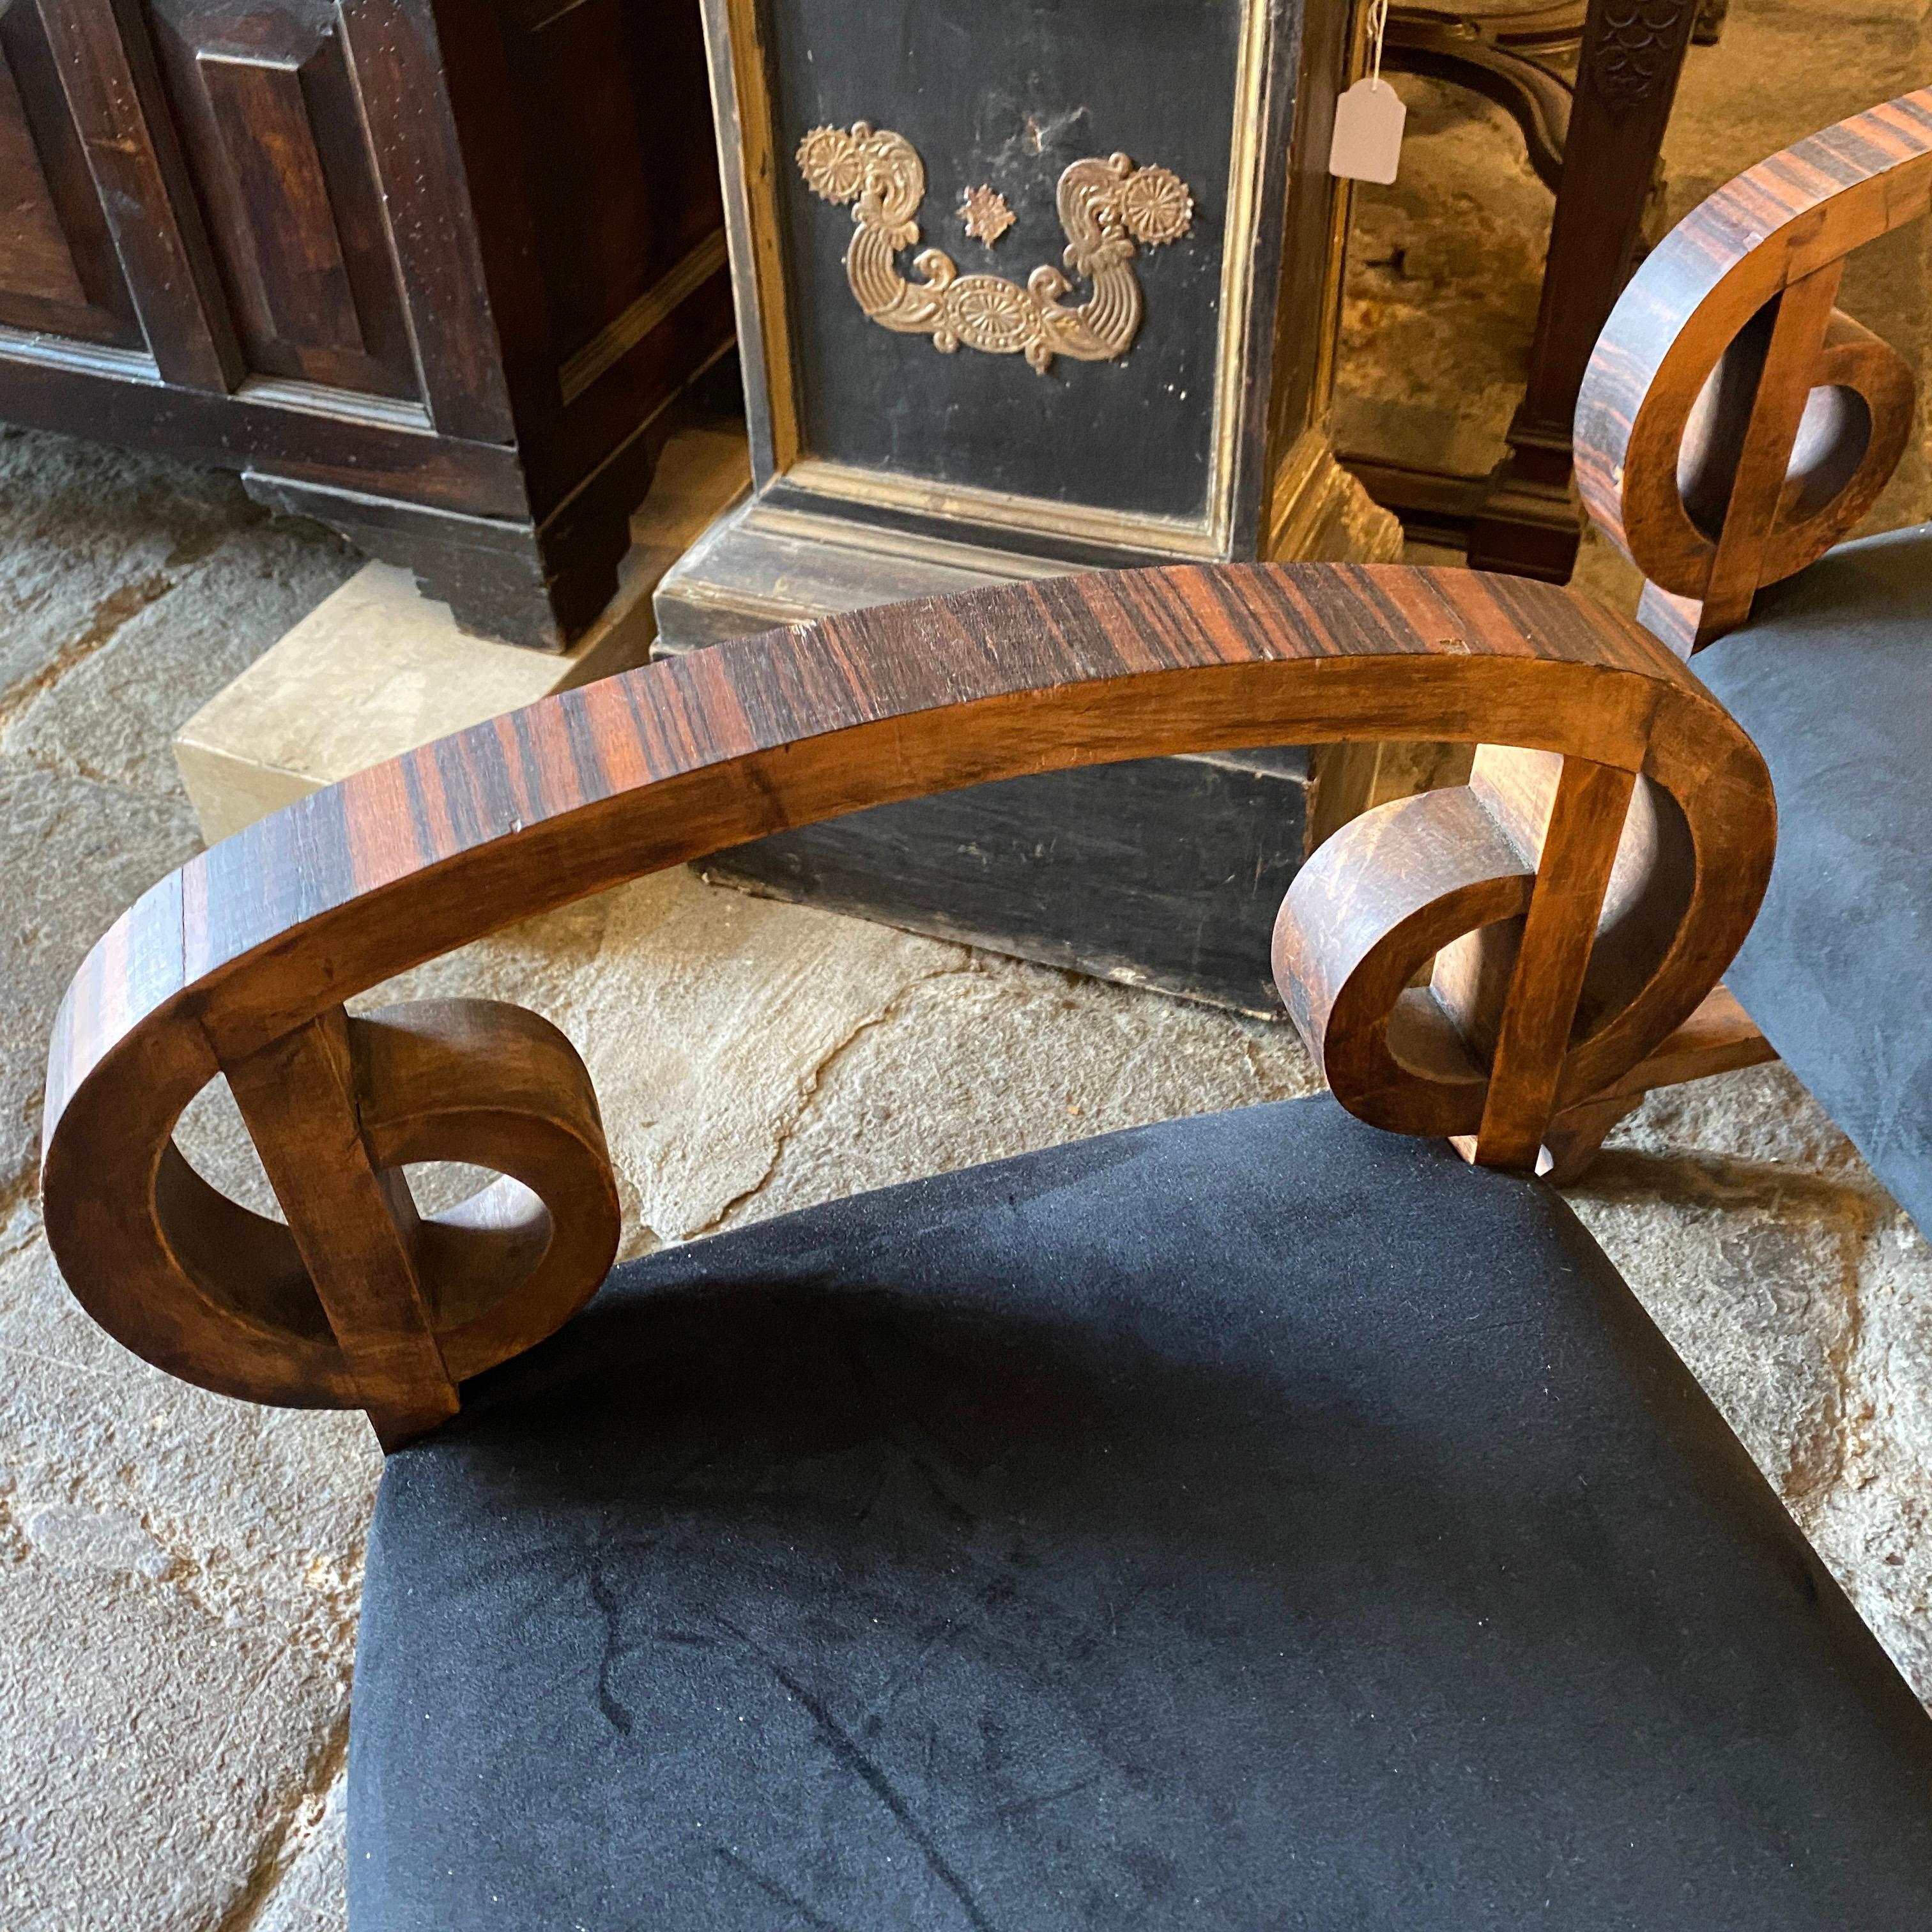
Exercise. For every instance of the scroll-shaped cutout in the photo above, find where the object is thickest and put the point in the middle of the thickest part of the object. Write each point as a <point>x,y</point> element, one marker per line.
<point>1440,885</point>
<point>1371,909</point>
<point>1851,431</point>
<point>1733,425</point>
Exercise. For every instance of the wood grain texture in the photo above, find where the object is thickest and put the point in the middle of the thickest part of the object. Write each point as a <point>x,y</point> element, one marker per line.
<point>267,933</point>
<point>301,285</point>
<point>1732,426</point>
<point>36,257</point>
<point>1799,322</point>
<point>1720,1037</point>
<point>352,1223</point>
<point>272,132</point>
<point>113,93</point>
<point>1585,826</point>
<point>58,270</point>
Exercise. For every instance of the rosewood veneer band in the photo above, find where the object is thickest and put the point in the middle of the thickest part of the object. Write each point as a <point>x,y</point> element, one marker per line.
<point>240,961</point>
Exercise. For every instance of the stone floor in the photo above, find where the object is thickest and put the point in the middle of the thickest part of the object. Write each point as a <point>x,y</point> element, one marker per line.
<point>178,1575</point>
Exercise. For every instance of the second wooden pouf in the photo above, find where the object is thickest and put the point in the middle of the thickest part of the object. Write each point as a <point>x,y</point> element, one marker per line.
<point>1024,288</point>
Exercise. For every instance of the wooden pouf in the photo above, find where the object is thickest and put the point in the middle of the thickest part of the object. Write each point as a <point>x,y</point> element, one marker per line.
<point>1025,288</point>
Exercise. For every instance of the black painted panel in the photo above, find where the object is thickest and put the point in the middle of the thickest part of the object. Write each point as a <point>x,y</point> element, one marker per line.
<point>1167,872</point>
<point>1007,93</point>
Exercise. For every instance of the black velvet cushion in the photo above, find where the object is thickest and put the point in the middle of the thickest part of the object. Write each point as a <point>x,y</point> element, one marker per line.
<point>1257,1521</point>
<point>1833,678</point>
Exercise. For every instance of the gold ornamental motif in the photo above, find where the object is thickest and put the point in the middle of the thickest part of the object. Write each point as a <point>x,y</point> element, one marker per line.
<point>1106,207</point>
<point>985,214</point>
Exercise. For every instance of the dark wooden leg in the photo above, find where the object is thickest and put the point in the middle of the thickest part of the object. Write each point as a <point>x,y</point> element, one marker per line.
<point>1626,80</point>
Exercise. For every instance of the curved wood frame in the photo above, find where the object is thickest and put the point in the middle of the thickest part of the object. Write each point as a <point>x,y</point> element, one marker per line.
<point>1734,424</point>
<point>240,961</point>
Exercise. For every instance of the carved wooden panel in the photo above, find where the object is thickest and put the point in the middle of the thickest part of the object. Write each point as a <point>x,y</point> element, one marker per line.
<point>265,105</point>
<point>456,272</point>
<point>58,271</point>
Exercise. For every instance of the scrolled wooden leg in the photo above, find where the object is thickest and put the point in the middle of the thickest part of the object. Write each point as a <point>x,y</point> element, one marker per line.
<point>492,1085</point>
<point>1502,882</point>
<point>415,1304</point>
<point>1550,894</point>
<point>1369,911</point>
<point>352,1221</point>
<point>1807,415</point>
<point>1586,827</point>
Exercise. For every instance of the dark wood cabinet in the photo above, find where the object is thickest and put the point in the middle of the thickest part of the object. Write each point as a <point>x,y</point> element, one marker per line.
<point>1026,286</point>
<point>424,269</point>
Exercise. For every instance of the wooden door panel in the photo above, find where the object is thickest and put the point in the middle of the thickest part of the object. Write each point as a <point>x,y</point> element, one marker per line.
<point>58,271</point>
<point>35,256</point>
<point>302,279</point>
<point>266,108</point>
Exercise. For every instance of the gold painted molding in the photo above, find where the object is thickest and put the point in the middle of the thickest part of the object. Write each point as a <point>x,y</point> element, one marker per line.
<point>999,509</point>
<point>1106,207</point>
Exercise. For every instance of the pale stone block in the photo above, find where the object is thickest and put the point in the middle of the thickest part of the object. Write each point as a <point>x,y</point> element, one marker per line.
<point>377,668</point>
<point>77,852</point>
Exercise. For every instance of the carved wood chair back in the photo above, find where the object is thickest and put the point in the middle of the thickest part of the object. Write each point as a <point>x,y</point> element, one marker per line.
<point>240,963</point>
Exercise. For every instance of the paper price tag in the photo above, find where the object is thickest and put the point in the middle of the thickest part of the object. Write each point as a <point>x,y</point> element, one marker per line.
<point>1368,133</point>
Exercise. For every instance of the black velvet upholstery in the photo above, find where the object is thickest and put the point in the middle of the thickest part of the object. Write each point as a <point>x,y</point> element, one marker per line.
<point>1833,678</point>
<point>1258,1521</point>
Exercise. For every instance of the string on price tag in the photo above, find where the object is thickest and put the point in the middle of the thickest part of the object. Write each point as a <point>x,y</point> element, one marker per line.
<point>1367,145</point>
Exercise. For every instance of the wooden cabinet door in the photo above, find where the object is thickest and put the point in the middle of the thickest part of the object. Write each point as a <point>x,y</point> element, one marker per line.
<point>265,103</point>
<point>58,274</point>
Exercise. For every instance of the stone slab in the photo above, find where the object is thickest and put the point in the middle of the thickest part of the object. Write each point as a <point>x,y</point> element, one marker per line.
<point>178,1578</point>
<point>88,536</point>
<point>78,853</point>
<point>112,1820</point>
<point>113,714</point>
<point>377,668</point>
<point>305,1892</point>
